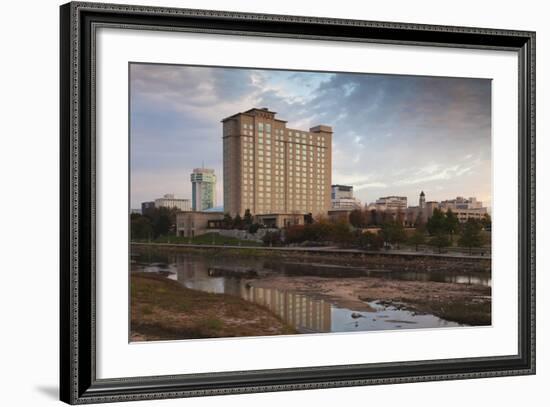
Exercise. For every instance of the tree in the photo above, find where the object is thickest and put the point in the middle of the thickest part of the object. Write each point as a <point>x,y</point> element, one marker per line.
<point>417,238</point>
<point>486,222</point>
<point>357,218</point>
<point>393,232</point>
<point>370,241</point>
<point>308,218</point>
<point>237,222</point>
<point>452,224</point>
<point>227,221</point>
<point>140,227</point>
<point>436,223</point>
<point>247,219</point>
<point>440,240</point>
<point>471,234</point>
<point>374,218</point>
<point>272,238</point>
<point>253,228</point>
<point>163,220</point>
<point>295,234</point>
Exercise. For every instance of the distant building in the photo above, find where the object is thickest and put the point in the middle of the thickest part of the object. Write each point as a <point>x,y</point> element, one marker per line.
<point>422,200</point>
<point>147,207</point>
<point>462,203</point>
<point>195,223</point>
<point>464,214</point>
<point>391,203</point>
<point>203,183</point>
<point>169,201</point>
<point>463,208</point>
<point>342,198</point>
<point>271,169</point>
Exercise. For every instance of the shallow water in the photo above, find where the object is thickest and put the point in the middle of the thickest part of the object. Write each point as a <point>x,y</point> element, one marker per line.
<point>306,313</point>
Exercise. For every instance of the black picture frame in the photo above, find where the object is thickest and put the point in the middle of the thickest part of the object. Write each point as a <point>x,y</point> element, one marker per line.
<point>78,382</point>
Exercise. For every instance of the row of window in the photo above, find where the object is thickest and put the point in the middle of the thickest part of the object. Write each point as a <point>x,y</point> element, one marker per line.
<point>294,136</point>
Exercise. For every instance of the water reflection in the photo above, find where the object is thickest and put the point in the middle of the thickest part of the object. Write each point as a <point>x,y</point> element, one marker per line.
<point>306,313</point>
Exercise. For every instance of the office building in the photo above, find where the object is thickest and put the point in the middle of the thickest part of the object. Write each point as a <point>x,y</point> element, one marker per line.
<point>342,198</point>
<point>169,201</point>
<point>203,182</point>
<point>391,203</point>
<point>271,169</point>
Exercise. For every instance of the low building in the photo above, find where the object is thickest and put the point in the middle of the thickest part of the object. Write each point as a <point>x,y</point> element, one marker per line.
<point>464,214</point>
<point>391,203</point>
<point>169,201</point>
<point>280,220</point>
<point>194,223</point>
<point>461,203</point>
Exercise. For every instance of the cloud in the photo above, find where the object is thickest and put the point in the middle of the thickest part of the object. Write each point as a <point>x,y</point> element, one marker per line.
<point>392,134</point>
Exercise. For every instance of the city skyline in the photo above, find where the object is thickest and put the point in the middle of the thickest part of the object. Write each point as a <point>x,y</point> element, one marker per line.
<point>393,135</point>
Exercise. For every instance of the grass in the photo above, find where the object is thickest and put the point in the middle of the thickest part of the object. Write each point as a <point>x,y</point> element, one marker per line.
<point>462,312</point>
<point>207,239</point>
<point>163,309</point>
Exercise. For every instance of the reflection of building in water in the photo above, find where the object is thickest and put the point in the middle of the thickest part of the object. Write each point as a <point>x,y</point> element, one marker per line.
<point>299,311</point>
<point>302,312</point>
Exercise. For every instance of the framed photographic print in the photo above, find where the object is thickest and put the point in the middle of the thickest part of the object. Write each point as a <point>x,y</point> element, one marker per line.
<point>255,203</point>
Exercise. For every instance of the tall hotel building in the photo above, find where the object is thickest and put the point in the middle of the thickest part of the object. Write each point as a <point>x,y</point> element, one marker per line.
<point>271,169</point>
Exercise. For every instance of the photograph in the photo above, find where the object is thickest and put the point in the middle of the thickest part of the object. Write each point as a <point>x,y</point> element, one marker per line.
<point>285,202</point>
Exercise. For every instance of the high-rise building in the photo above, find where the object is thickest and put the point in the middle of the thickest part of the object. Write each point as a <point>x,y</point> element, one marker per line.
<point>203,181</point>
<point>272,169</point>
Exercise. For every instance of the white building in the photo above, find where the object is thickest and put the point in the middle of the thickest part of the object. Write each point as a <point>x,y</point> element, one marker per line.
<point>342,198</point>
<point>390,203</point>
<point>462,203</point>
<point>169,201</point>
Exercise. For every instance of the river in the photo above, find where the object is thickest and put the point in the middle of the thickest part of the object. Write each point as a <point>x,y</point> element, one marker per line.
<point>307,313</point>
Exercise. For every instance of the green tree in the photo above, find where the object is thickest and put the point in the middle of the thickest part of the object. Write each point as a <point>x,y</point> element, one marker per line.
<point>163,220</point>
<point>308,218</point>
<point>417,238</point>
<point>452,224</point>
<point>237,222</point>
<point>227,221</point>
<point>140,227</point>
<point>247,219</point>
<point>440,240</point>
<point>471,234</point>
<point>393,232</point>
<point>486,222</point>
<point>436,223</point>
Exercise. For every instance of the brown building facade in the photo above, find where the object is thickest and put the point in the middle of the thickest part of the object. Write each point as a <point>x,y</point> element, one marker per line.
<point>269,168</point>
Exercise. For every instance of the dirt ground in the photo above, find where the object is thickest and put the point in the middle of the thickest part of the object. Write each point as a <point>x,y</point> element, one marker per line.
<point>462,303</point>
<point>162,309</point>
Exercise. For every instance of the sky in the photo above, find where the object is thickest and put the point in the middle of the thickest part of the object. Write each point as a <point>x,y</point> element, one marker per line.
<point>393,134</point>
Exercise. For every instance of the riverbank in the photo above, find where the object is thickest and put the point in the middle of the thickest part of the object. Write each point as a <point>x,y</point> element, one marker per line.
<point>163,309</point>
<point>379,260</point>
<point>467,304</point>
